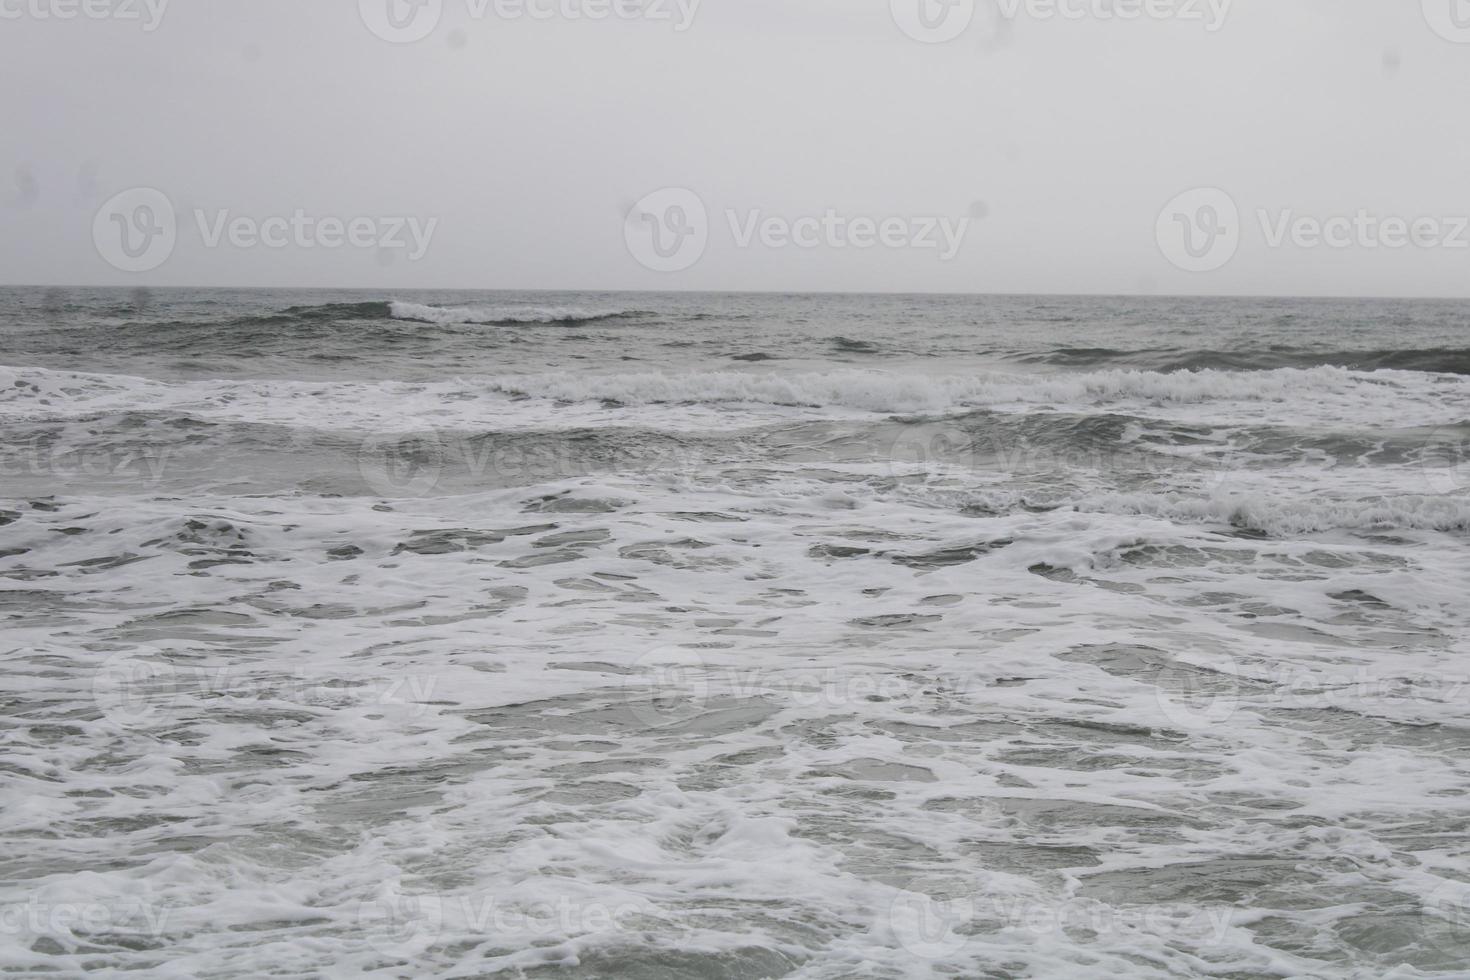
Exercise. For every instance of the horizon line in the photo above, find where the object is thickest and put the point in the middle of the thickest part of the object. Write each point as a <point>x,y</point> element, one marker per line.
<point>747,292</point>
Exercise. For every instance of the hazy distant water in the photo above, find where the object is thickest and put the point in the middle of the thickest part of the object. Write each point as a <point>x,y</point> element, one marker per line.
<point>645,635</point>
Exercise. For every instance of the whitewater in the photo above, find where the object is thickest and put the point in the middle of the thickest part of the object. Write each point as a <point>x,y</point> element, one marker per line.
<point>733,636</point>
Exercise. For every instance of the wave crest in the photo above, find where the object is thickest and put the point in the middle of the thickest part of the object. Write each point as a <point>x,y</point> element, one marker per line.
<point>1432,360</point>
<point>1289,518</point>
<point>489,315</point>
<point>878,391</point>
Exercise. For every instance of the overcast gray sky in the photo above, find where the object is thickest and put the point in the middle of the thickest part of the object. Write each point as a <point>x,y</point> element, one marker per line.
<point>528,140</point>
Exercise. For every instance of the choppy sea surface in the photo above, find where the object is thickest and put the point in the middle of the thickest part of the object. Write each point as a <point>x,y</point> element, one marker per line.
<point>733,636</point>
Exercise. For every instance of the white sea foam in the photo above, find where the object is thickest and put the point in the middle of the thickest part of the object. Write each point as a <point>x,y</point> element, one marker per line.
<point>1290,517</point>
<point>787,716</point>
<point>1287,393</point>
<point>683,733</point>
<point>880,391</point>
<point>492,314</point>
<point>1331,398</point>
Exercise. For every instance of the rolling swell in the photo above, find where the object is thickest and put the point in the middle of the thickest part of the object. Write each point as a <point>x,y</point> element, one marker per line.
<point>271,325</point>
<point>323,313</point>
<point>1434,360</point>
<point>491,315</point>
<point>396,310</point>
<point>291,337</point>
<point>145,451</point>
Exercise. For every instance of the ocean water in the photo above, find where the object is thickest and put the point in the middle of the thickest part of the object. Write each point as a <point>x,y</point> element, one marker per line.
<point>733,636</point>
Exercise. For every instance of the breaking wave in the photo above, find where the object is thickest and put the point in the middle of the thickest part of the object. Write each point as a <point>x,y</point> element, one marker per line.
<point>890,392</point>
<point>1286,518</point>
<point>487,315</point>
<point>1433,360</point>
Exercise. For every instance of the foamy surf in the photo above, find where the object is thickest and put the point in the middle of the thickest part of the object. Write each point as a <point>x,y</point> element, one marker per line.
<point>711,646</point>
<point>494,314</point>
<point>1329,398</point>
